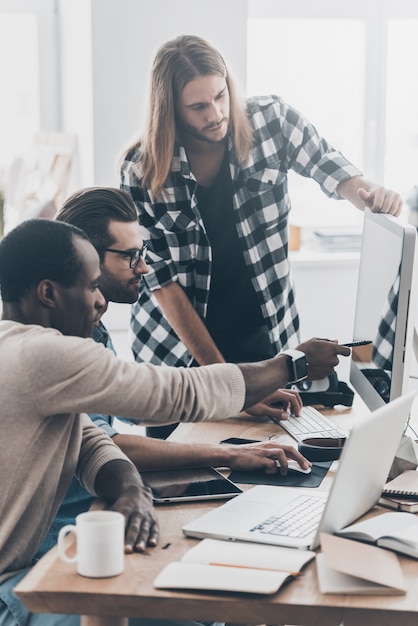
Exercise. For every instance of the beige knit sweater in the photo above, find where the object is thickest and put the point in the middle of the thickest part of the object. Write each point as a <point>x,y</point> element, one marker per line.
<point>48,381</point>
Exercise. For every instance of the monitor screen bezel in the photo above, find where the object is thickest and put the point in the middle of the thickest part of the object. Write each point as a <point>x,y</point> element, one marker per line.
<point>406,235</point>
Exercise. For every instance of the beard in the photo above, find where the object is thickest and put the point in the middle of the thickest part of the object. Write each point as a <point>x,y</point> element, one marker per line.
<point>204,134</point>
<point>115,290</point>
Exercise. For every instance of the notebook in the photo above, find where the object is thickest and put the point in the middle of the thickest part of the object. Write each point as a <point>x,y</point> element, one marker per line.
<point>405,485</point>
<point>362,471</point>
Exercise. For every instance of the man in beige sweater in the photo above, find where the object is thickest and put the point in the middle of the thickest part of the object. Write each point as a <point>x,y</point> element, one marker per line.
<point>52,372</point>
<point>108,216</point>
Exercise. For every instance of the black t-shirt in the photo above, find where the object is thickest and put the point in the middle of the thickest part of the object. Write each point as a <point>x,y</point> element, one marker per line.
<point>232,305</point>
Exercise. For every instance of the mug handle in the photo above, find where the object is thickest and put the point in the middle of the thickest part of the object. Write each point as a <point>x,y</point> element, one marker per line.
<point>66,530</point>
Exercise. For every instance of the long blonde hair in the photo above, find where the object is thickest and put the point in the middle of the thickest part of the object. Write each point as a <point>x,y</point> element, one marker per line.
<point>176,63</point>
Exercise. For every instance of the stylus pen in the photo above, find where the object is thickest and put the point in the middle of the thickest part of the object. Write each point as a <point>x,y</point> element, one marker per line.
<point>354,344</point>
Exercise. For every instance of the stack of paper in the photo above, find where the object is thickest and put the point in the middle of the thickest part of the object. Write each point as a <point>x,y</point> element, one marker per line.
<point>337,239</point>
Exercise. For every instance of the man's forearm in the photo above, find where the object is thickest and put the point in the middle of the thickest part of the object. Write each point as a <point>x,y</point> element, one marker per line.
<point>148,453</point>
<point>348,189</point>
<point>115,477</point>
<point>365,193</point>
<point>263,378</point>
<point>181,315</point>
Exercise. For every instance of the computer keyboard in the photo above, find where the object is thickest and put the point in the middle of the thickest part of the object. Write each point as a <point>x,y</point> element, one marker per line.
<point>298,519</point>
<point>311,423</point>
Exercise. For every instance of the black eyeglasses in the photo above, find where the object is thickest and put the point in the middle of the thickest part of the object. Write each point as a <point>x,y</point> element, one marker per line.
<point>134,255</point>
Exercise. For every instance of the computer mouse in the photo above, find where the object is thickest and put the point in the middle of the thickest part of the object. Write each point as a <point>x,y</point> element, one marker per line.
<point>293,466</point>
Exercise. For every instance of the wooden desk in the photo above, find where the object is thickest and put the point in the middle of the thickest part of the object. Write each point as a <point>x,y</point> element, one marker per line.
<point>54,586</point>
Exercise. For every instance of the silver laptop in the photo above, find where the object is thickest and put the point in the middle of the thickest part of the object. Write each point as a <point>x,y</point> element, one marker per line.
<point>257,514</point>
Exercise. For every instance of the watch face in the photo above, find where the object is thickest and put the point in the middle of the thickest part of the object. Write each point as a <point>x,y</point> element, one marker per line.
<point>298,367</point>
<point>301,368</point>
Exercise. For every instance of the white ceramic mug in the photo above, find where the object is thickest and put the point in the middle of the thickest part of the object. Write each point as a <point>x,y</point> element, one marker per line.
<point>100,543</point>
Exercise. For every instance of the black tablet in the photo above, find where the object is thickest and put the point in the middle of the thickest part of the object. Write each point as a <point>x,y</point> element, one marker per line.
<point>182,485</point>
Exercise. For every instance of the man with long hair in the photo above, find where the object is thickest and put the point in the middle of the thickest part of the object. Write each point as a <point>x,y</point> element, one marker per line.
<point>209,179</point>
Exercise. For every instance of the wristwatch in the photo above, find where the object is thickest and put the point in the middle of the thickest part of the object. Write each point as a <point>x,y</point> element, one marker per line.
<point>298,365</point>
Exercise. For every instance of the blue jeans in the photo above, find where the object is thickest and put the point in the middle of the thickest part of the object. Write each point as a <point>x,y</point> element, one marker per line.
<point>14,613</point>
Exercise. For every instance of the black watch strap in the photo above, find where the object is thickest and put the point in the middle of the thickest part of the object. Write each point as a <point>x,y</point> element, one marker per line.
<point>298,365</point>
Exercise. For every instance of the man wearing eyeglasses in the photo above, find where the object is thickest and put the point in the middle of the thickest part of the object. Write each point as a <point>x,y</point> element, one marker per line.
<point>133,257</point>
<point>108,216</point>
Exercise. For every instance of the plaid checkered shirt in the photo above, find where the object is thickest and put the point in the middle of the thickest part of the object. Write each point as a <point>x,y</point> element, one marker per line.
<point>179,248</point>
<point>382,355</point>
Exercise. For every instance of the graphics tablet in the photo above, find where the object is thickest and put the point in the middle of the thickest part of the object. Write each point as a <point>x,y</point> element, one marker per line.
<point>195,483</point>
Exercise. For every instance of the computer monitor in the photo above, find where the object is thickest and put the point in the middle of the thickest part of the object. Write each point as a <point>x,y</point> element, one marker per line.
<point>385,309</point>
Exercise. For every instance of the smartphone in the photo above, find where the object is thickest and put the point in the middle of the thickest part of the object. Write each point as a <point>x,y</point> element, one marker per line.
<point>187,485</point>
<point>236,441</point>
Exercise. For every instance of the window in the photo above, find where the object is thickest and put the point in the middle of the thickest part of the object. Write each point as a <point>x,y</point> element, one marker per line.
<point>401,155</point>
<point>29,74</point>
<point>19,68</point>
<point>28,70</point>
<point>352,69</point>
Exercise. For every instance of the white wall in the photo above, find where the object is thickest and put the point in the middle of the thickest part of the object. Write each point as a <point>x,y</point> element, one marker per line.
<point>108,47</point>
<point>76,82</point>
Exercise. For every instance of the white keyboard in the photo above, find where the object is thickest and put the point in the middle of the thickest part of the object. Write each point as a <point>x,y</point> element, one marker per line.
<point>298,519</point>
<point>311,423</point>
